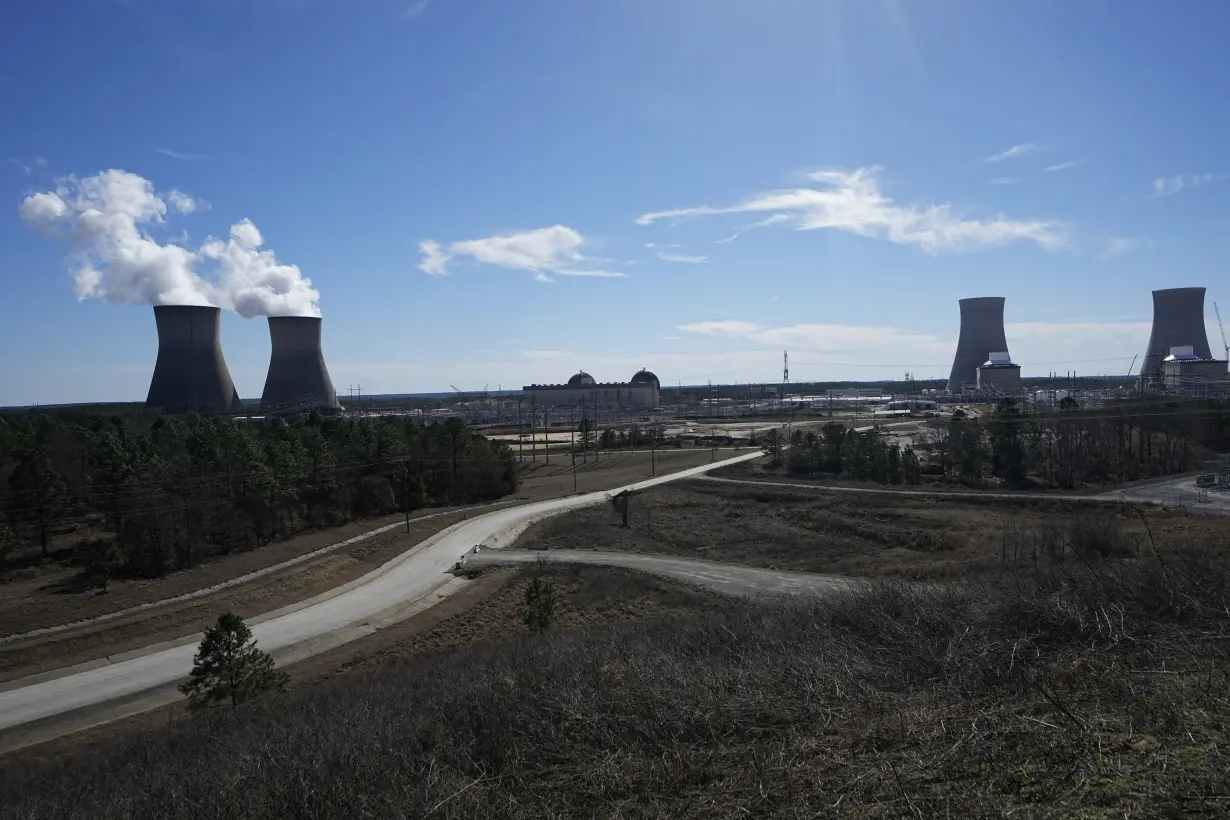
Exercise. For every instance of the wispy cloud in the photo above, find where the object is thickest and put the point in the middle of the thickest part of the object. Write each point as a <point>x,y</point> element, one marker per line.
<point>678,257</point>
<point>742,229</point>
<point>415,9</point>
<point>28,166</point>
<point>659,245</point>
<point>851,201</point>
<point>1005,180</point>
<point>1063,166</point>
<point>179,154</point>
<point>724,328</point>
<point>1114,246</point>
<point>1022,150</point>
<point>1169,186</point>
<point>543,251</point>
<point>854,347</point>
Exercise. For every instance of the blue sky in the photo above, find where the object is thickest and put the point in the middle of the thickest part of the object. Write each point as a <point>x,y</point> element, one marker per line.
<point>442,171</point>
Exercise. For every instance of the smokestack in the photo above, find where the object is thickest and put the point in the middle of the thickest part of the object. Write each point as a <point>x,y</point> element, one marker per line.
<point>1178,320</point>
<point>298,379</point>
<point>190,375</point>
<point>982,332</point>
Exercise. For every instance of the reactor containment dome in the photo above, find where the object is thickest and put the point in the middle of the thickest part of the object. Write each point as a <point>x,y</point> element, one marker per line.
<point>1178,321</point>
<point>190,375</point>
<point>982,333</point>
<point>298,380</point>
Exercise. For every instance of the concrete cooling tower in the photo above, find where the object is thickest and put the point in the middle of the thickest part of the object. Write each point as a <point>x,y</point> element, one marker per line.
<point>190,375</point>
<point>982,333</point>
<point>1178,320</point>
<point>298,380</point>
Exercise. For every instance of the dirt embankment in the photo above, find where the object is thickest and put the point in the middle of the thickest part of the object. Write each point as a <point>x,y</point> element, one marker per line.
<point>906,536</point>
<point>487,611</point>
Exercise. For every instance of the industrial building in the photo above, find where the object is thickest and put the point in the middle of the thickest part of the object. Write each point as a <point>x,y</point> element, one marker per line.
<point>916,406</point>
<point>982,333</point>
<point>298,380</point>
<point>190,375</point>
<point>1178,321</point>
<point>999,375</point>
<point>1184,370</point>
<point>642,390</point>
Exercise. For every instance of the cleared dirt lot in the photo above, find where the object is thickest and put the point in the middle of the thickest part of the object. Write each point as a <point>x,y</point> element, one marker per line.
<point>876,535</point>
<point>52,598</point>
<point>487,611</point>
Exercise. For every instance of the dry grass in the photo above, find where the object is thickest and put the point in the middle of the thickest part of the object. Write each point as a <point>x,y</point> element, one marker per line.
<point>881,536</point>
<point>1085,690</point>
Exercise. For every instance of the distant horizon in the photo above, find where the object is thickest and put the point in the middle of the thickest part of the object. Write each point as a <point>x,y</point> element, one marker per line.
<point>494,191</point>
<point>345,397</point>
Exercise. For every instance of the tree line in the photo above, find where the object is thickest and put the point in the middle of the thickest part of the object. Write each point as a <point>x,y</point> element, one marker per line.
<point>152,497</point>
<point>1064,448</point>
<point>1076,446</point>
<point>836,450</point>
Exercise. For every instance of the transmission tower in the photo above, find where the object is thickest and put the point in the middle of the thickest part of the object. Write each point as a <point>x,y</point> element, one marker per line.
<point>785,367</point>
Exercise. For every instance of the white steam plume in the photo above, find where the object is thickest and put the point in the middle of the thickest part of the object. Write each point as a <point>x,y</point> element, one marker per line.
<point>105,220</point>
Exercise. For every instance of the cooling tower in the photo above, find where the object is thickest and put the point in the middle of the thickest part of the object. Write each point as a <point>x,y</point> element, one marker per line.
<point>1178,320</point>
<point>190,375</point>
<point>982,332</point>
<point>298,380</point>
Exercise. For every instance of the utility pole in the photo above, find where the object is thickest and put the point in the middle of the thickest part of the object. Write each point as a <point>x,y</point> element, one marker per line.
<point>546,434</point>
<point>533,448</point>
<point>653,452</point>
<point>520,435</point>
<point>572,446</point>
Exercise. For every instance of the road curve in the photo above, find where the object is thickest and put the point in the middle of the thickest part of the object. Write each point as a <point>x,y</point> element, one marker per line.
<point>298,631</point>
<point>729,579</point>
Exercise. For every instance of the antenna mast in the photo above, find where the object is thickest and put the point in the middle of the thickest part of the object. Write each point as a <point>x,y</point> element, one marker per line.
<point>786,367</point>
<point>1222,328</point>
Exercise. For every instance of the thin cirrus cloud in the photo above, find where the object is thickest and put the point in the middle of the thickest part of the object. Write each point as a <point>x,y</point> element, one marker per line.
<point>28,166</point>
<point>1022,150</point>
<point>1039,344</point>
<point>415,9</point>
<point>679,257</point>
<point>775,219</point>
<point>179,154</point>
<point>1169,186</point>
<point>852,202</point>
<point>542,252</point>
<point>1063,166</point>
<point>1005,180</point>
<point>1114,246</point>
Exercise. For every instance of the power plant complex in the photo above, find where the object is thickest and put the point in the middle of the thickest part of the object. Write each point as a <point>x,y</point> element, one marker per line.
<point>298,379</point>
<point>191,374</point>
<point>982,334</point>
<point>1178,321</point>
<point>642,390</point>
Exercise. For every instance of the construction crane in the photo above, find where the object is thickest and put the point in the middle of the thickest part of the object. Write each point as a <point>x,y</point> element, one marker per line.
<point>1222,328</point>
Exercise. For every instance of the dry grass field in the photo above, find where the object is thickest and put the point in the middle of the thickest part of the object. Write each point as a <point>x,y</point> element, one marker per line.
<point>870,535</point>
<point>1092,691</point>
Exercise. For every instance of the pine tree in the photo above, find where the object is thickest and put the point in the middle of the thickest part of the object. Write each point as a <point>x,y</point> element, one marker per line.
<point>539,604</point>
<point>229,666</point>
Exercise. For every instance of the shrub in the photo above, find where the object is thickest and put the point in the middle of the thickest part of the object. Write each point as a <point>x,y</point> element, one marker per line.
<point>540,603</point>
